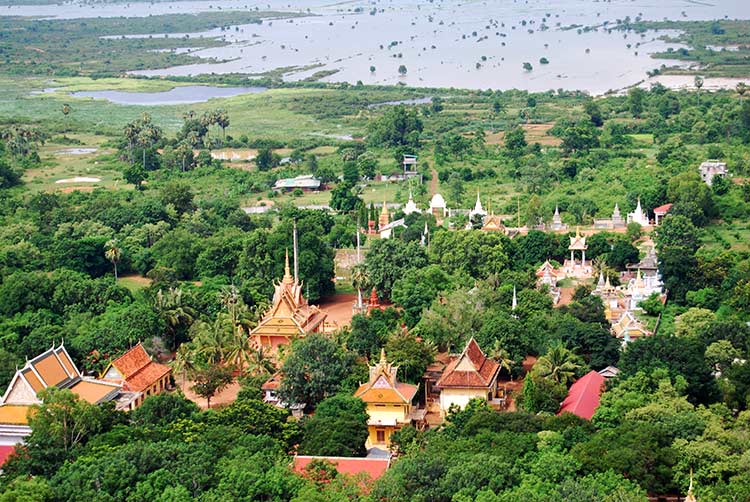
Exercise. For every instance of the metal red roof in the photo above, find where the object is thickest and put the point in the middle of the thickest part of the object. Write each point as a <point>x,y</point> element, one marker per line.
<point>374,467</point>
<point>584,396</point>
<point>662,209</point>
<point>5,452</point>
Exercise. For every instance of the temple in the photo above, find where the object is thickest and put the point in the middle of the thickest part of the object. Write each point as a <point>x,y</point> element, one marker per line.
<point>289,316</point>
<point>572,267</point>
<point>469,375</point>
<point>614,223</point>
<point>138,375</point>
<point>389,403</point>
<point>52,368</point>
<point>478,210</point>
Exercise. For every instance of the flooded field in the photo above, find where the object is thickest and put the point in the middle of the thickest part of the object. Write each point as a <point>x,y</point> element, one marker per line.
<point>448,43</point>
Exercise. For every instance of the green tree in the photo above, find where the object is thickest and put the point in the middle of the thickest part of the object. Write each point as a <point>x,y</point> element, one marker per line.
<point>515,141</point>
<point>338,428</point>
<point>314,370</point>
<point>390,259</point>
<point>559,364</point>
<point>411,355</point>
<point>398,126</point>
<point>207,382</point>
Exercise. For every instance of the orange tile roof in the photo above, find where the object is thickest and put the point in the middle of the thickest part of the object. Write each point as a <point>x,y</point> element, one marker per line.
<point>94,392</point>
<point>138,370</point>
<point>50,369</point>
<point>146,377</point>
<point>14,414</point>
<point>374,467</point>
<point>370,394</point>
<point>483,370</point>
<point>131,361</point>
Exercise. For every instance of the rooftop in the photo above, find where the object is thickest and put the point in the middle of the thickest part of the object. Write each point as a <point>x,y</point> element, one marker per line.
<point>373,467</point>
<point>584,396</point>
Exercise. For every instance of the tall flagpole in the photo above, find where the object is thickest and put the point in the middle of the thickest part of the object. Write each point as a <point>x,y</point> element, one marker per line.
<point>296,266</point>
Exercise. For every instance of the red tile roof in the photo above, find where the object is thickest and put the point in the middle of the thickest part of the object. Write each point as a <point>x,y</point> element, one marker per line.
<point>584,396</point>
<point>470,369</point>
<point>374,467</point>
<point>662,209</point>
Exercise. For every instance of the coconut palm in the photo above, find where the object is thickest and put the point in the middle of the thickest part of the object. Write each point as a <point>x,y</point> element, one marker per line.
<point>240,351</point>
<point>184,361</point>
<point>260,363</point>
<point>211,340</point>
<point>360,277</point>
<point>113,253</point>
<point>499,354</point>
<point>66,109</point>
<point>559,364</point>
<point>222,120</point>
<point>175,313</point>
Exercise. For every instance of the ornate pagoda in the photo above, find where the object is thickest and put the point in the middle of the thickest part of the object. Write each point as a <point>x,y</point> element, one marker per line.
<point>289,316</point>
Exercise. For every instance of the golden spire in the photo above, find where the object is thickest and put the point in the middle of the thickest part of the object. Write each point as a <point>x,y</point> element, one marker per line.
<point>385,208</point>
<point>287,273</point>
<point>382,356</point>
<point>578,232</point>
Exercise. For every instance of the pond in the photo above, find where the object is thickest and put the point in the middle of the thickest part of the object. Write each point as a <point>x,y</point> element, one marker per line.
<point>177,96</point>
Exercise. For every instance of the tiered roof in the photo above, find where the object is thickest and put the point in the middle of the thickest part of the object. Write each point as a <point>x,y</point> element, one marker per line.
<point>289,315</point>
<point>470,369</point>
<point>383,385</point>
<point>135,370</point>
<point>373,467</point>
<point>52,368</point>
<point>578,242</point>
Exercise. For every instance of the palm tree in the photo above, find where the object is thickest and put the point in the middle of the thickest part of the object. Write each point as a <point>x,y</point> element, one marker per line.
<point>741,89</point>
<point>131,132</point>
<point>212,339</point>
<point>499,354</point>
<point>240,350</point>
<point>559,364</point>
<point>175,313</point>
<point>113,253</point>
<point>184,361</point>
<point>222,120</point>
<point>698,82</point>
<point>260,363</point>
<point>66,109</point>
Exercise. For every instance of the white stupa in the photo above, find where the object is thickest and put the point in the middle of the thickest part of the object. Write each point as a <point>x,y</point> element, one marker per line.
<point>477,209</point>
<point>638,216</point>
<point>410,206</point>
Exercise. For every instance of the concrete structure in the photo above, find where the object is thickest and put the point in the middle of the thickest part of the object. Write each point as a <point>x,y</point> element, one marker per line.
<point>468,376</point>
<point>305,182</point>
<point>711,168</point>
<point>557,224</point>
<point>411,206</point>
<point>639,215</point>
<point>438,207</point>
<point>389,403</point>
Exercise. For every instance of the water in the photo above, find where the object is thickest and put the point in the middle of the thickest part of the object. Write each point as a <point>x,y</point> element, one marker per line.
<point>475,44</point>
<point>176,96</point>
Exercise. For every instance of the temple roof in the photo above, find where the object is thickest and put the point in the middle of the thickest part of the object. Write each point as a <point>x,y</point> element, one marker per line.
<point>578,242</point>
<point>383,385</point>
<point>493,223</point>
<point>136,370</point>
<point>437,201</point>
<point>289,314</point>
<point>470,369</point>
<point>54,368</point>
<point>374,467</point>
<point>546,268</point>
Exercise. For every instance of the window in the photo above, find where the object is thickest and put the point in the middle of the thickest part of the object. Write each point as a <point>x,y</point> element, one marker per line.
<point>380,436</point>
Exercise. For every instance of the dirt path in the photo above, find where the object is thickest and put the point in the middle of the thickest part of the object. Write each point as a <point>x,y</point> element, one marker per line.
<point>433,181</point>
<point>339,308</point>
<point>223,398</point>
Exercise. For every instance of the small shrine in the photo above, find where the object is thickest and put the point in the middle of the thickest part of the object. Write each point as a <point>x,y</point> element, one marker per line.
<point>389,403</point>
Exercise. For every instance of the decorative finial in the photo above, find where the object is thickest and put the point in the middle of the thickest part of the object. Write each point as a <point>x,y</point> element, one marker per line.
<point>514,302</point>
<point>382,355</point>
<point>287,272</point>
